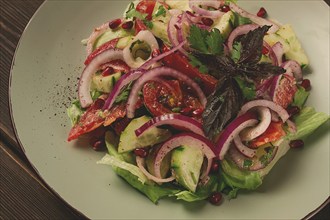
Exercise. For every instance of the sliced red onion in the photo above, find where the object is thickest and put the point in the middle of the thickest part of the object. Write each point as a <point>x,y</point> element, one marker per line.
<point>292,66</point>
<point>263,87</point>
<point>274,86</point>
<point>150,62</point>
<point>158,72</point>
<point>171,27</point>
<point>240,30</point>
<point>189,140</point>
<point>254,18</point>
<point>192,18</point>
<point>265,118</point>
<point>232,130</point>
<point>275,116</point>
<point>271,53</point>
<point>265,103</point>
<point>246,151</point>
<point>87,75</point>
<point>148,38</point>
<point>141,163</point>
<point>96,33</point>
<point>194,5</point>
<point>172,119</point>
<point>278,51</point>
<point>257,164</point>
<point>122,82</point>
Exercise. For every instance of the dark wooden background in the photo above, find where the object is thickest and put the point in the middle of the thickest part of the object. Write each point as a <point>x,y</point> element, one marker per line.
<point>23,194</point>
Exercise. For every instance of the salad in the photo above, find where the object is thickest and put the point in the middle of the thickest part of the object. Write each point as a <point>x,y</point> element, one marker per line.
<point>193,99</point>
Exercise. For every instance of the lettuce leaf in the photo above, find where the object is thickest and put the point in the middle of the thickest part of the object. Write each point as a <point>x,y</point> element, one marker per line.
<point>237,178</point>
<point>300,97</point>
<point>307,121</point>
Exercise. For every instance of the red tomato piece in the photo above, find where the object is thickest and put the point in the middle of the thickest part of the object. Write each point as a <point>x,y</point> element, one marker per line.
<point>146,7</point>
<point>108,45</point>
<point>139,26</point>
<point>180,62</point>
<point>89,121</point>
<point>273,133</point>
<point>286,91</point>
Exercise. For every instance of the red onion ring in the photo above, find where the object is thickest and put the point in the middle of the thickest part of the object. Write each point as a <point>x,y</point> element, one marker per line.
<point>194,5</point>
<point>240,30</point>
<point>172,119</point>
<point>274,86</point>
<point>147,64</point>
<point>140,162</point>
<point>292,66</point>
<point>143,35</point>
<point>186,139</point>
<point>87,74</point>
<point>265,119</point>
<point>278,51</point>
<point>157,72</point>
<point>254,18</point>
<point>171,30</point>
<point>96,33</point>
<point>123,81</point>
<point>246,151</point>
<point>265,103</point>
<point>232,130</point>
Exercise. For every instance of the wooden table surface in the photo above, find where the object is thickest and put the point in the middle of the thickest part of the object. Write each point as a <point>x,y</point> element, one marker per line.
<point>23,194</point>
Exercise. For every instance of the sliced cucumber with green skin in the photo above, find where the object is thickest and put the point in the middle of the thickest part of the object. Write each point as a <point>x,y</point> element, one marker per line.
<point>291,44</point>
<point>186,163</point>
<point>105,83</point>
<point>111,141</point>
<point>128,140</point>
<point>110,35</point>
<point>223,24</point>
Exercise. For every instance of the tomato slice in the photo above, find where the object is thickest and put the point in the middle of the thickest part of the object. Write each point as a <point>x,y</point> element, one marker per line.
<point>146,7</point>
<point>170,96</point>
<point>108,45</point>
<point>89,121</point>
<point>139,26</point>
<point>285,91</point>
<point>180,62</point>
<point>273,133</point>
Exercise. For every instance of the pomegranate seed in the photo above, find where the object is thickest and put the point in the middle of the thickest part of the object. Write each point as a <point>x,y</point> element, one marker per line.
<point>114,23</point>
<point>198,112</point>
<point>155,53</point>
<point>108,71</point>
<point>225,8</point>
<point>293,110</point>
<point>306,84</point>
<point>265,50</point>
<point>141,152</point>
<point>97,144</point>
<point>207,21</point>
<point>296,143</point>
<point>127,25</point>
<point>215,198</point>
<point>262,12</point>
<point>99,103</point>
<point>215,166</point>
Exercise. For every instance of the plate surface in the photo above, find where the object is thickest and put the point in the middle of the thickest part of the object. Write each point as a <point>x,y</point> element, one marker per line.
<point>44,81</point>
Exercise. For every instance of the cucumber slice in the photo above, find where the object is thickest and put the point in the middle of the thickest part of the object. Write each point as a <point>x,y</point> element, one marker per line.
<point>110,35</point>
<point>105,83</point>
<point>187,162</point>
<point>224,24</point>
<point>128,140</point>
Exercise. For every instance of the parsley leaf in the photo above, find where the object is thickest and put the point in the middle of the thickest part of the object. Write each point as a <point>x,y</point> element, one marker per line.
<point>161,11</point>
<point>248,89</point>
<point>206,42</point>
<point>196,63</point>
<point>239,20</point>
<point>123,95</point>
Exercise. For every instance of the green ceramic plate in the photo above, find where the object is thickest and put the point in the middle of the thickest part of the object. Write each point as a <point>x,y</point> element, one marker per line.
<point>44,80</point>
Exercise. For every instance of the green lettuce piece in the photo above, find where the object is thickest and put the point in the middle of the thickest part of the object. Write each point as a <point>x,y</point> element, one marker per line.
<point>202,192</point>
<point>74,112</point>
<point>307,121</point>
<point>300,97</point>
<point>237,178</point>
<point>137,179</point>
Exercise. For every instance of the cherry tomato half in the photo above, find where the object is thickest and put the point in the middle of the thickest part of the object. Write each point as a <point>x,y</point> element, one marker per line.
<point>146,7</point>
